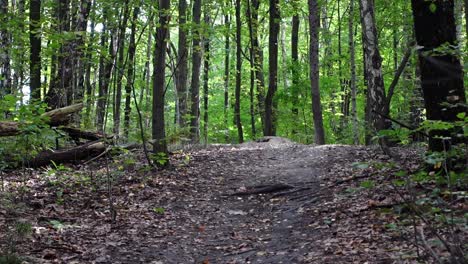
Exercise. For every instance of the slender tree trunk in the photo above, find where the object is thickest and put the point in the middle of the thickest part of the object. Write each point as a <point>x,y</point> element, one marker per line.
<point>270,112</point>
<point>441,72</point>
<point>295,70</point>
<point>130,72</point>
<point>79,47</point>
<point>195,83</point>
<point>314,23</point>
<point>106,65</point>
<point>237,116</point>
<point>373,64</point>
<point>182,67</point>
<point>252,71</point>
<point>352,58</point>
<point>206,71</point>
<point>5,46</point>
<point>158,129</point>
<point>88,64</point>
<point>35,49</point>
<point>258,60</point>
<point>120,68</point>
<point>226,73</point>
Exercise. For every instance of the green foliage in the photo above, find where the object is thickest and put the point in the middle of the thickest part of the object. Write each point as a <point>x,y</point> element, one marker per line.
<point>35,135</point>
<point>160,158</point>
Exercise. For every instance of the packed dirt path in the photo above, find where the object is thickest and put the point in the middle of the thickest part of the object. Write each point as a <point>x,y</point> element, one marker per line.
<point>272,201</point>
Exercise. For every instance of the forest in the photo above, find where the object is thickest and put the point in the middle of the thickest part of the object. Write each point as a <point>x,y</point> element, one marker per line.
<point>215,131</point>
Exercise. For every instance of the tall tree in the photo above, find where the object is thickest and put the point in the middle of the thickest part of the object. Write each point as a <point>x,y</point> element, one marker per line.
<point>35,48</point>
<point>441,71</point>
<point>373,66</point>
<point>258,57</point>
<point>206,72</point>
<point>196,65</point>
<point>352,66</point>
<point>158,129</point>
<point>226,70</point>
<point>295,64</point>
<point>237,115</point>
<point>130,71</point>
<point>182,67</point>
<point>252,71</point>
<point>106,65</point>
<point>5,39</point>
<point>120,67</point>
<point>314,23</point>
<point>274,28</point>
<point>61,90</point>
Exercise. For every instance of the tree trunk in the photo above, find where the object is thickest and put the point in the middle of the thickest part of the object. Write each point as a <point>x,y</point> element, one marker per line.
<point>5,46</point>
<point>258,61</point>
<point>274,27</point>
<point>226,74</point>
<point>88,63</point>
<point>373,64</point>
<point>352,66</point>
<point>60,93</point>
<point>441,71</point>
<point>182,67</point>
<point>195,83</point>
<point>79,48</point>
<point>295,70</point>
<point>314,23</point>
<point>158,129</point>
<point>120,68</point>
<point>206,71</point>
<point>252,71</point>
<point>130,72</point>
<point>35,49</point>
<point>106,64</point>
<point>237,116</point>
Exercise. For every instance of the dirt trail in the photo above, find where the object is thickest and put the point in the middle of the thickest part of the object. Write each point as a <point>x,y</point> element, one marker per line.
<point>194,212</point>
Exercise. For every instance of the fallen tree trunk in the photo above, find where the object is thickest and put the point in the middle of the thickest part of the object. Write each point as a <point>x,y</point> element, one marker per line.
<point>55,117</point>
<point>85,151</point>
<point>76,134</point>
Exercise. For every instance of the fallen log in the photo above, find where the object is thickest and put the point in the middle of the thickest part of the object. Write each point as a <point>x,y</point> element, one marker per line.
<point>79,153</point>
<point>55,117</point>
<point>76,134</point>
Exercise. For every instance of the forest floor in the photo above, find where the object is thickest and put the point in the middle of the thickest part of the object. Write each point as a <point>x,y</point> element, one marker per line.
<point>259,202</point>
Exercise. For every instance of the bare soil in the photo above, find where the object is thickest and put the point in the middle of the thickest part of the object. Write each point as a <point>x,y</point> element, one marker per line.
<point>272,201</point>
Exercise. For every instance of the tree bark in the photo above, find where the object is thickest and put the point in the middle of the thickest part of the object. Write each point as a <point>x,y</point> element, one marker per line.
<point>106,65</point>
<point>314,22</point>
<point>258,61</point>
<point>274,27</point>
<point>373,64</point>
<point>206,71</point>
<point>182,67</point>
<point>295,70</point>
<point>226,73</point>
<point>61,89</point>
<point>237,116</point>
<point>352,52</point>
<point>252,71</point>
<point>158,129</point>
<point>195,83</point>
<point>5,45</point>
<point>55,117</point>
<point>441,71</point>
<point>120,69</point>
<point>130,72</point>
<point>35,49</point>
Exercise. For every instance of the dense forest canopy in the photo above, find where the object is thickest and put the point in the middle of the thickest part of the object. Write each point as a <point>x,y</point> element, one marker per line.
<point>329,71</point>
